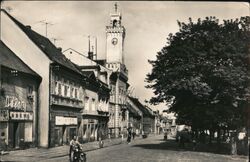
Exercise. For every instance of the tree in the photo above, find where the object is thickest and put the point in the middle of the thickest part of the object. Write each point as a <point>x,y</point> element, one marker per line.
<point>204,69</point>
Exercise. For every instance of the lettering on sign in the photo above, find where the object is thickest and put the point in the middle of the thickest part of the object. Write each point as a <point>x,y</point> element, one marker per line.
<point>21,115</point>
<point>61,120</point>
<point>4,115</point>
<point>14,102</point>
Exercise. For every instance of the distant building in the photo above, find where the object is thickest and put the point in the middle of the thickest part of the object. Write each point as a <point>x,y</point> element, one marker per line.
<point>18,100</point>
<point>135,116</point>
<point>148,117</point>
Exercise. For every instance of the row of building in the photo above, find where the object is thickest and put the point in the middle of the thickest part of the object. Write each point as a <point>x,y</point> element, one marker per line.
<point>47,95</point>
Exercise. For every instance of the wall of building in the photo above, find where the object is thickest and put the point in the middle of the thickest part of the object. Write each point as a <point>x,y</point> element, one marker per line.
<point>114,52</point>
<point>25,49</point>
<point>148,124</point>
<point>67,105</point>
<point>19,95</point>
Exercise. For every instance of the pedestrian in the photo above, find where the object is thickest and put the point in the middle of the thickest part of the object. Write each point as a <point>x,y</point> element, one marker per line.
<point>73,143</point>
<point>133,135</point>
<point>129,135</point>
<point>101,135</point>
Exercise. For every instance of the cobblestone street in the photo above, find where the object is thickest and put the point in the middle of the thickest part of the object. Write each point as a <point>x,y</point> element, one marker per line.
<point>152,149</point>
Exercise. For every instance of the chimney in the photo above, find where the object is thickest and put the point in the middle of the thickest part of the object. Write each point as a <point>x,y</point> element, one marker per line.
<point>90,54</point>
<point>28,26</point>
<point>60,49</point>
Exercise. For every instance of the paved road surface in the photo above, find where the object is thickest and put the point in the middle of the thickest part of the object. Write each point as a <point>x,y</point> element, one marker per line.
<point>152,149</point>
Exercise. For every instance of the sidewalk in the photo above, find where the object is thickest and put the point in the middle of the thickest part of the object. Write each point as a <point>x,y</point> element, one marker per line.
<point>37,154</point>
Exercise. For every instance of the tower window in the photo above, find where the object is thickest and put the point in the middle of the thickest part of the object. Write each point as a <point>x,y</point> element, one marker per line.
<point>115,23</point>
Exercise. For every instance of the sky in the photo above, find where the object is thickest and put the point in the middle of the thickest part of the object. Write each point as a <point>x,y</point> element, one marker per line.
<point>147,23</point>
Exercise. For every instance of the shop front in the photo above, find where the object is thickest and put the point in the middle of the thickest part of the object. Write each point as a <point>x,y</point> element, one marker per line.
<point>17,128</point>
<point>64,124</point>
<point>91,127</point>
<point>65,129</point>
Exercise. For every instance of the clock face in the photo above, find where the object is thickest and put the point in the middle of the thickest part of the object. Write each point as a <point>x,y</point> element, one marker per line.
<point>114,41</point>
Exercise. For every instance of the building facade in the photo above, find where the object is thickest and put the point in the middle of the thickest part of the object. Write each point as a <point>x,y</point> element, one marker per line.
<point>66,98</point>
<point>135,116</point>
<point>115,36</point>
<point>18,101</point>
<point>53,108</point>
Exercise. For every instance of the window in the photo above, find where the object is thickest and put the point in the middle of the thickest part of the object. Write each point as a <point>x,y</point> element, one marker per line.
<point>84,129</point>
<point>76,93</point>
<point>28,132</point>
<point>59,89</point>
<point>66,90</point>
<point>30,90</point>
<point>93,104</point>
<point>56,88</point>
<point>86,103</point>
<point>72,92</point>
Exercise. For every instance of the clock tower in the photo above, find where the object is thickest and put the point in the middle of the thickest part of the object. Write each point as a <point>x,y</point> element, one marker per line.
<point>115,34</point>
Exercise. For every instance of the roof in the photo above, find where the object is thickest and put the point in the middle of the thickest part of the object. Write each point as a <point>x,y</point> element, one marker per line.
<point>145,111</point>
<point>90,67</point>
<point>89,74</point>
<point>132,110</point>
<point>101,62</point>
<point>45,45</point>
<point>9,59</point>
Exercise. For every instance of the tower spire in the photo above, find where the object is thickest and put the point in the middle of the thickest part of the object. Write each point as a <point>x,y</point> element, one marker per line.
<point>115,7</point>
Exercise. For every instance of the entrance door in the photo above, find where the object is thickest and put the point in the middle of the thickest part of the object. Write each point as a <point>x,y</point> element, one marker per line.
<point>72,133</point>
<point>15,134</point>
<point>64,135</point>
<point>57,137</point>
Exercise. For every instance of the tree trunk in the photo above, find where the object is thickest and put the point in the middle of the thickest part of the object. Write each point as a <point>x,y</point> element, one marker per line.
<point>233,145</point>
<point>210,136</point>
<point>218,136</point>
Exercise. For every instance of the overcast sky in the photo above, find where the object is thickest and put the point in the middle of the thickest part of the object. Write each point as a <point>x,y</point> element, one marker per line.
<point>147,24</point>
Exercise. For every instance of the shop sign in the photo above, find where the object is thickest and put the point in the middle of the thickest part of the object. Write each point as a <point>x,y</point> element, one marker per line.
<point>4,115</point>
<point>61,120</point>
<point>91,121</point>
<point>14,102</point>
<point>21,115</point>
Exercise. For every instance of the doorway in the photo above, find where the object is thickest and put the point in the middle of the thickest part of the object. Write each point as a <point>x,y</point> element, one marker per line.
<point>64,135</point>
<point>15,135</point>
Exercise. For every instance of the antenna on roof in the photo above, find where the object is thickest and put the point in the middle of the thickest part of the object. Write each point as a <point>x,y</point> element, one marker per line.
<point>8,8</point>
<point>56,39</point>
<point>46,23</point>
<point>91,52</point>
